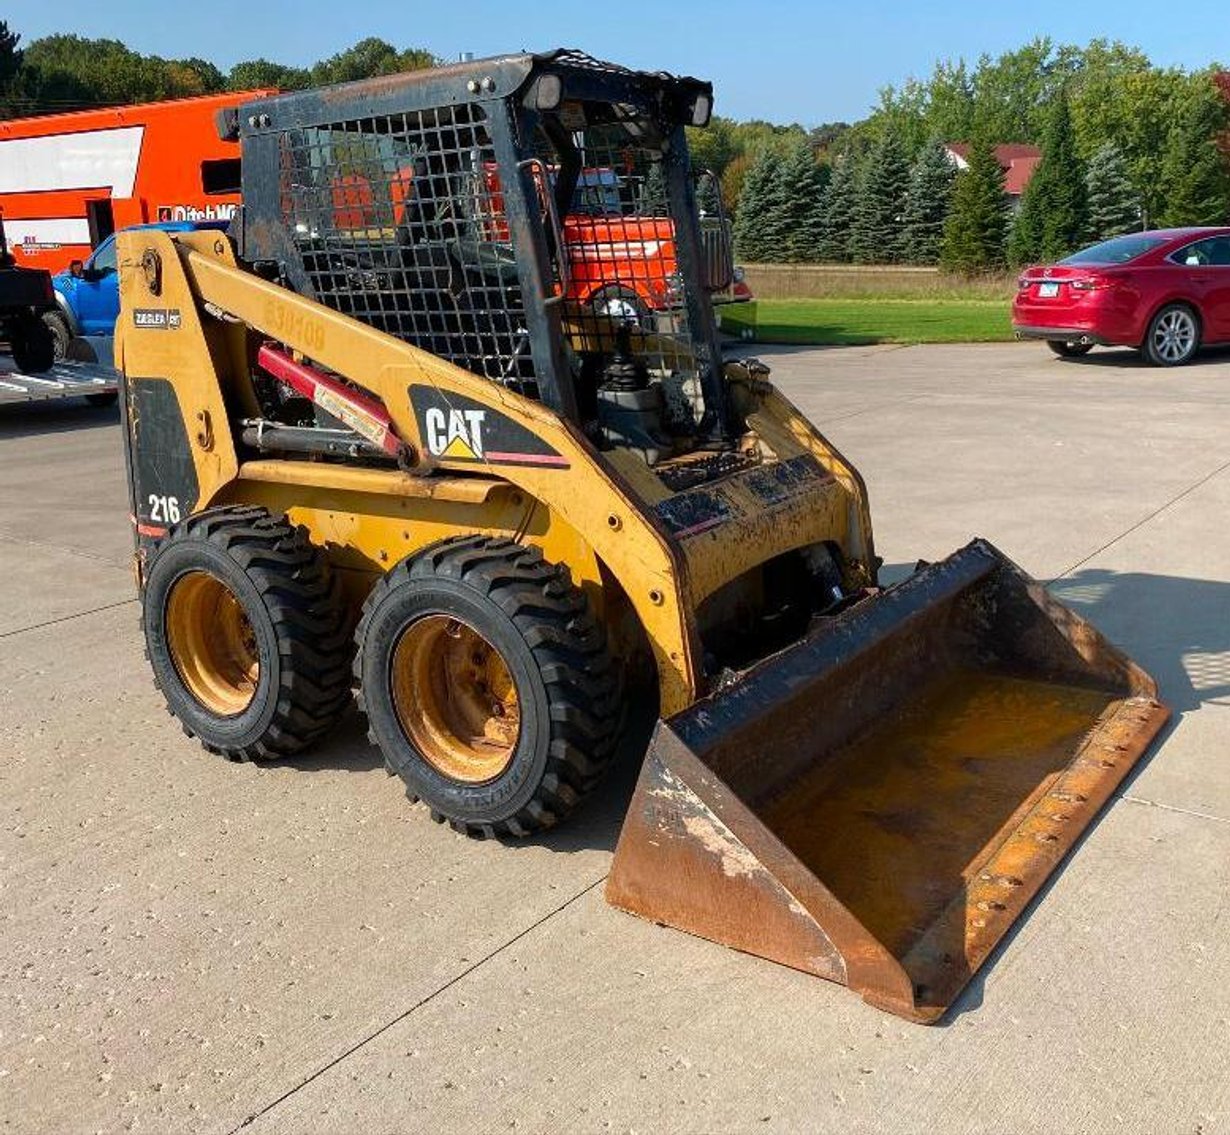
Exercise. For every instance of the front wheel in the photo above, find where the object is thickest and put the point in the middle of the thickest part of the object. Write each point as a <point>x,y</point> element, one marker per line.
<point>488,685</point>
<point>1173,337</point>
<point>1069,348</point>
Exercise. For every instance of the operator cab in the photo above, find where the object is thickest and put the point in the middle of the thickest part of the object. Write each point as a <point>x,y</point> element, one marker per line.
<point>530,218</point>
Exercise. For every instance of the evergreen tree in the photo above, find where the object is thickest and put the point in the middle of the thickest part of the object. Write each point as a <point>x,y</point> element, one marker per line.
<point>779,206</point>
<point>1052,221</point>
<point>880,202</point>
<point>708,199</point>
<point>927,202</point>
<point>977,222</point>
<point>652,198</point>
<point>1194,176</point>
<point>804,180</point>
<point>753,224</point>
<point>836,213</point>
<point>1113,205</point>
<point>809,242</point>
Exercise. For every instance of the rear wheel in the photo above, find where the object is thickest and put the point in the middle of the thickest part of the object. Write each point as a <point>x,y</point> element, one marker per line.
<point>1173,337</point>
<point>32,345</point>
<point>1069,348</point>
<point>488,685</point>
<point>246,634</point>
<point>61,334</point>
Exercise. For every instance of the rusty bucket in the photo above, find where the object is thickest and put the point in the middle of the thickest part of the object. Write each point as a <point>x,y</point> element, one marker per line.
<point>878,803</point>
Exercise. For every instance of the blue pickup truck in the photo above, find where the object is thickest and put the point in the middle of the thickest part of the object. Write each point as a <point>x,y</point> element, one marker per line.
<point>88,299</point>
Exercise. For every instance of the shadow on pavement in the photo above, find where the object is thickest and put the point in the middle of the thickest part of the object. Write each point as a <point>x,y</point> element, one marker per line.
<point>31,419</point>
<point>1176,628</point>
<point>594,825</point>
<point>1126,358</point>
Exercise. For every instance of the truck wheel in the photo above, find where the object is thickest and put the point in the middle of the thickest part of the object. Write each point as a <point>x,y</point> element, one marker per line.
<point>32,345</point>
<point>247,634</point>
<point>61,334</point>
<point>488,685</point>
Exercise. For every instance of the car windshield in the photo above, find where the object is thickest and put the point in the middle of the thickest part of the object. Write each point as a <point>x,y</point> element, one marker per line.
<point>1117,250</point>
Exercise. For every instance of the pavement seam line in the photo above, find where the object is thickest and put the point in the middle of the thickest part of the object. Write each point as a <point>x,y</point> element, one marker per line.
<point>15,538</point>
<point>417,1005</point>
<point>1142,522</point>
<point>66,618</point>
<point>894,403</point>
<point>1174,808</point>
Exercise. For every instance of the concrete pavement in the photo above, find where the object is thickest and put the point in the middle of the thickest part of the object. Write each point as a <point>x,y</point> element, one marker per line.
<point>193,945</point>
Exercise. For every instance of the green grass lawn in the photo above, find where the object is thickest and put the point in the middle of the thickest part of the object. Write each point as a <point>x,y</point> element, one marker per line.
<point>860,321</point>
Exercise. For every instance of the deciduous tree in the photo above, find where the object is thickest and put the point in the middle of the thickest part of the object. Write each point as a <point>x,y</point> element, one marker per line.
<point>1194,175</point>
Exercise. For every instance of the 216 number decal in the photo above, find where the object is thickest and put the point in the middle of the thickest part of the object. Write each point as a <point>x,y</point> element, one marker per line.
<point>165,509</point>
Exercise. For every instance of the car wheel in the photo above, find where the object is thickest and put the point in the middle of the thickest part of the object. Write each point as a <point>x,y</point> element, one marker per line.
<point>1069,348</point>
<point>1173,336</point>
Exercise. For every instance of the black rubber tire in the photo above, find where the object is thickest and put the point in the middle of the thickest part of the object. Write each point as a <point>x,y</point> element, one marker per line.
<point>61,334</point>
<point>568,685</point>
<point>1151,349</point>
<point>1066,349</point>
<point>32,346</point>
<point>294,605</point>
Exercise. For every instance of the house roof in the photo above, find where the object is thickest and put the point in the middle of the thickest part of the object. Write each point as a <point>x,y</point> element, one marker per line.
<point>1018,159</point>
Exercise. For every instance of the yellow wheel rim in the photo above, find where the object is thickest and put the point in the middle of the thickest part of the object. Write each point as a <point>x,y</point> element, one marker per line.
<point>455,699</point>
<point>212,643</point>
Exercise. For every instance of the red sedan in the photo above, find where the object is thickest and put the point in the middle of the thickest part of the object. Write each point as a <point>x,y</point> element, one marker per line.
<point>1166,292</point>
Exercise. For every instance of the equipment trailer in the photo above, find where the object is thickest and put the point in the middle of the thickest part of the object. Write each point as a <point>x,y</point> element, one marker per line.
<point>26,298</point>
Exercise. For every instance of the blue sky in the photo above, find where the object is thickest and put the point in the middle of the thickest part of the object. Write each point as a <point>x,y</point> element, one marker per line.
<point>767,58</point>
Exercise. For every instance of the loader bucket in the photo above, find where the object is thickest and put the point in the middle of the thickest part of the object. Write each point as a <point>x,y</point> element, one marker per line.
<point>878,803</point>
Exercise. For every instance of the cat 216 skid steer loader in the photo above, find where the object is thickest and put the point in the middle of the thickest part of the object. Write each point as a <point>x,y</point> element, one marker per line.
<point>375,441</point>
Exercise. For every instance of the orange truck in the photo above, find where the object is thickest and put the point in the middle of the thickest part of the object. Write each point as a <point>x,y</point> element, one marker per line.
<point>67,181</point>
